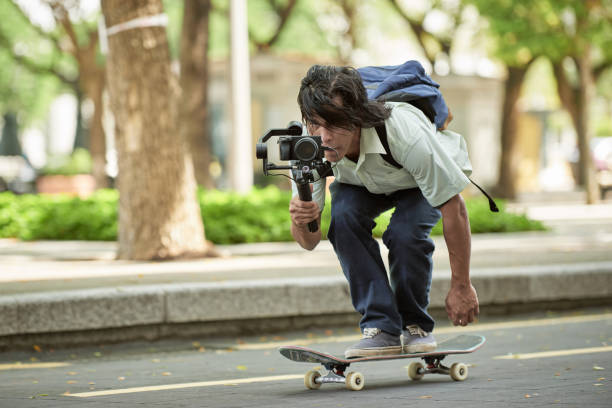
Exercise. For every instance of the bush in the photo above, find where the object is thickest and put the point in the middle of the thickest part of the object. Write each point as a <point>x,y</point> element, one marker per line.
<point>78,162</point>
<point>229,218</point>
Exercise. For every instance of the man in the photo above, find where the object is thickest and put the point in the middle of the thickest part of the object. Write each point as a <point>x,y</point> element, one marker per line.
<point>335,106</point>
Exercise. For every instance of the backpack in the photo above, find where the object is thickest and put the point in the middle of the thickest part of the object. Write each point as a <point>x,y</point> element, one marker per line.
<point>408,83</point>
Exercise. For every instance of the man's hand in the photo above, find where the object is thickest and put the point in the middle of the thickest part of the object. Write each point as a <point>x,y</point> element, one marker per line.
<point>447,121</point>
<point>462,304</point>
<point>302,212</point>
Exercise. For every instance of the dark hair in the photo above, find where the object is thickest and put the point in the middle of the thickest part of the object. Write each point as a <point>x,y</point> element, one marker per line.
<point>322,83</point>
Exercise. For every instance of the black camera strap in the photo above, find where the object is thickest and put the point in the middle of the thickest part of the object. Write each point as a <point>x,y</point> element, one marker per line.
<point>381,131</point>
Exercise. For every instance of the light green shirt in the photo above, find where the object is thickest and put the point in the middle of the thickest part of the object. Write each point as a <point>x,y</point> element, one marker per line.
<point>436,162</point>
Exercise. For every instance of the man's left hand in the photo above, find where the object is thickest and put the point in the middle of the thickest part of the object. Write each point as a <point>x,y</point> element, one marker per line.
<point>462,304</point>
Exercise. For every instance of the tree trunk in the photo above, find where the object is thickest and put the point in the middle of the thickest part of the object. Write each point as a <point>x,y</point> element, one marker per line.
<point>583,130</point>
<point>159,216</point>
<point>506,183</point>
<point>577,104</point>
<point>94,81</point>
<point>194,119</point>
<point>9,138</point>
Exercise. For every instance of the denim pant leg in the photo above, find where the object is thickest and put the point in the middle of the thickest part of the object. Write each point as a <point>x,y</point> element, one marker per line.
<point>352,219</point>
<point>410,255</point>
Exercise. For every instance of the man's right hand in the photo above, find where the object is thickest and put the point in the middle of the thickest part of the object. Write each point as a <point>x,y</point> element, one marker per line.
<point>303,212</point>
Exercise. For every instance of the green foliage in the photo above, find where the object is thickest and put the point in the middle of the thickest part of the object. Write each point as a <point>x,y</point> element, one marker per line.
<point>229,218</point>
<point>59,217</point>
<point>79,162</point>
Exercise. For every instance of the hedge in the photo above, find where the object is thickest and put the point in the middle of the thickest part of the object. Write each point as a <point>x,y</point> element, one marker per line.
<point>229,218</point>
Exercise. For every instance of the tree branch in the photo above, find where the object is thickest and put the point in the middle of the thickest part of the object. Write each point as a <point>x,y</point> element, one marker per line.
<point>417,28</point>
<point>34,67</point>
<point>61,16</point>
<point>55,40</point>
<point>600,69</point>
<point>283,13</point>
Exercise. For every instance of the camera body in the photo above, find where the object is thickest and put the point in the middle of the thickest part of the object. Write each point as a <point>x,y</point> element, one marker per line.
<point>302,148</point>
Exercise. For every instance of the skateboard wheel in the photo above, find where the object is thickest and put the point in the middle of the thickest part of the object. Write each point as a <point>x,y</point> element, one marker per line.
<point>354,381</point>
<point>310,380</point>
<point>414,370</point>
<point>458,371</point>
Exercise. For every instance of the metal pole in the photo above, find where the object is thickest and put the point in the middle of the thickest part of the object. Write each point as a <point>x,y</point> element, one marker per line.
<point>240,150</point>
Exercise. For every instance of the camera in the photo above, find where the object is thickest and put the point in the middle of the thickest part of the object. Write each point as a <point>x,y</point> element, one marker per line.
<point>305,156</point>
<point>303,148</point>
<point>304,152</point>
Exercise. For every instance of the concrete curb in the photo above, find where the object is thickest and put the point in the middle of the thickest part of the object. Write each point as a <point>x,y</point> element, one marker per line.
<point>175,304</point>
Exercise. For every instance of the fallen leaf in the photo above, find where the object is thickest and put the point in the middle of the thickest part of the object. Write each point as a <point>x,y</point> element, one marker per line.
<point>557,374</point>
<point>527,396</point>
<point>71,373</point>
<point>166,374</point>
<point>241,368</point>
<point>425,397</point>
<point>156,360</point>
<point>202,349</point>
<point>329,332</point>
<point>196,344</point>
<point>121,378</point>
<point>97,354</point>
<point>33,359</point>
<point>71,382</point>
<point>37,348</point>
<point>601,378</point>
<point>91,383</point>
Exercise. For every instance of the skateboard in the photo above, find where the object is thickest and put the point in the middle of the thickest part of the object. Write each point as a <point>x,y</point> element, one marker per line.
<point>336,366</point>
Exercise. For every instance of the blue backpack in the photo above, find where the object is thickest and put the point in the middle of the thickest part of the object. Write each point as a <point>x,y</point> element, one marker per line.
<point>408,83</point>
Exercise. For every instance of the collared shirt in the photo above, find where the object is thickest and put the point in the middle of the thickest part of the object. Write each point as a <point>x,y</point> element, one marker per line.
<point>436,162</point>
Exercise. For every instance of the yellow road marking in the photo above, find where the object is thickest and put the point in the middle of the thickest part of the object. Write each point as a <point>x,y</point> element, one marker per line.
<point>23,366</point>
<point>555,353</point>
<point>187,385</point>
<point>478,327</point>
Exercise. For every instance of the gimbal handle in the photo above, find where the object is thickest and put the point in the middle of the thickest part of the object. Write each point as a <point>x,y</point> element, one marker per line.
<point>303,187</point>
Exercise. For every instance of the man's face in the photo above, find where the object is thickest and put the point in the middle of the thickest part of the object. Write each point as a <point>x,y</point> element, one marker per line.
<point>339,139</point>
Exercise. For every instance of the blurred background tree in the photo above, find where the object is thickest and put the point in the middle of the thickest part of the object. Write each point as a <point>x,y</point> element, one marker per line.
<point>568,33</point>
<point>67,50</point>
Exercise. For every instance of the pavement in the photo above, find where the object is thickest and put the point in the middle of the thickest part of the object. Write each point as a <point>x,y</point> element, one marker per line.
<point>72,292</point>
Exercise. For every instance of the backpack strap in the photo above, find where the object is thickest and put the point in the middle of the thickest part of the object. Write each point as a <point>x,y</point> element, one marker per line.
<point>381,131</point>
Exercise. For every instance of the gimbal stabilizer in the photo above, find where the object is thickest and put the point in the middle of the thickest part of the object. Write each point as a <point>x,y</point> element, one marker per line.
<point>305,155</point>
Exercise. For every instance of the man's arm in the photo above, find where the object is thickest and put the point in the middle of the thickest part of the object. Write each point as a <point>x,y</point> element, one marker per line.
<point>302,212</point>
<point>462,300</point>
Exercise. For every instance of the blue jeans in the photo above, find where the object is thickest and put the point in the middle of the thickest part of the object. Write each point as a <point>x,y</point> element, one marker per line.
<point>387,303</point>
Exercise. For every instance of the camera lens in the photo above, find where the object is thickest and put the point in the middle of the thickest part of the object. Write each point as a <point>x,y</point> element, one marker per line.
<point>306,149</point>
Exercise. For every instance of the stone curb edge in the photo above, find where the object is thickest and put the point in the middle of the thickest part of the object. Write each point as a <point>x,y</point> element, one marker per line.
<point>129,306</point>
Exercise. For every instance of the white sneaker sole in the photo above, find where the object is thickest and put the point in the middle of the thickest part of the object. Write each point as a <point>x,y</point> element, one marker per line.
<point>419,348</point>
<point>372,352</point>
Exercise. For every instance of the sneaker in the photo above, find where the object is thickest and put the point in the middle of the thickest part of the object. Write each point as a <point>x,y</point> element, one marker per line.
<point>374,342</point>
<point>416,340</point>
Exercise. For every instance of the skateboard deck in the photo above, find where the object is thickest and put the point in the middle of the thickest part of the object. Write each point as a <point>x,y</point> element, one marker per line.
<point>336,366</point>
